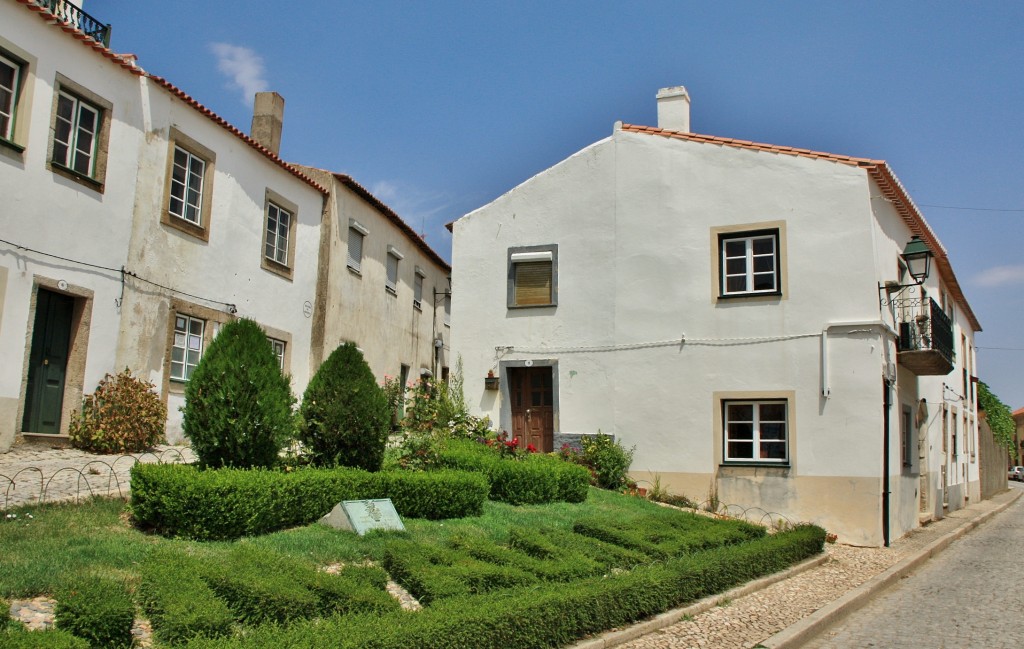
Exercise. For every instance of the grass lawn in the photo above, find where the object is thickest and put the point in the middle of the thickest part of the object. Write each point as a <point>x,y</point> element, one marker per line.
<point>62,542</point>
<point>572,569</point>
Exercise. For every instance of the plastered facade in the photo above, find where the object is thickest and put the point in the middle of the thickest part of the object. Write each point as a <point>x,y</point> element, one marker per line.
<point>647,348</point>
<point>132,259</point>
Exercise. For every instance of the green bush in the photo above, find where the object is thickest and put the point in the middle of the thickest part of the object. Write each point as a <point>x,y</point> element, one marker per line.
<point>238,405</point>
<point>98,610</point>
<point>178,602</point>
<point>180,500</point>
<point>345,414</point>
<point>522,618</point>
<point>608,459</point>
<point>123,415</point>
<point>527,479</point>
<point>18,637</point>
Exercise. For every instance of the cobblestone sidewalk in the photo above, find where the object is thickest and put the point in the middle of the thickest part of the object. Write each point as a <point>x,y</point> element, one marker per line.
<point>731,621</point>
<point>31,474</point>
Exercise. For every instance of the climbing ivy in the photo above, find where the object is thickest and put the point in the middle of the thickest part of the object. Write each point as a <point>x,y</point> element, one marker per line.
<point>999,417</point>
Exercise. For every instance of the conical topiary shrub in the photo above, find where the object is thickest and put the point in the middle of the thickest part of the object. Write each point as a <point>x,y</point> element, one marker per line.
<point>238,405</point>
<point>345,414</point>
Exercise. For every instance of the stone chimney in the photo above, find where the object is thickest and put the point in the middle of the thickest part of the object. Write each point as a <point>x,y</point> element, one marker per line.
<point>267,120</point>
<point>674,109</point>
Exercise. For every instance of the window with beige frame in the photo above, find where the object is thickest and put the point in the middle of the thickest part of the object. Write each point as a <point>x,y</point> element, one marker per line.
<point>11,73</point>
<point>749,261</point>
<point>190,329</point>
<point>279,217</point>
<point>755,428</point>
<point>391,280</point>
<point>79,134</point>
<point>17,76</point>
<point>188,188</point>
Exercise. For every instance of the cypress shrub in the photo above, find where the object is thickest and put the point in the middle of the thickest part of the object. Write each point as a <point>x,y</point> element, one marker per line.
<point>238,405</point>
<point>345,414</point>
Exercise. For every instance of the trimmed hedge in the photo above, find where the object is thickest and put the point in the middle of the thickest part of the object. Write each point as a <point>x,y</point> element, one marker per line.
<point>496,621</point>
<point>528,480</point>
<point>181,500</point>
<point>18,637</point>
<point>98,610</point>
<point>188,596</point>
<point>178,602</point>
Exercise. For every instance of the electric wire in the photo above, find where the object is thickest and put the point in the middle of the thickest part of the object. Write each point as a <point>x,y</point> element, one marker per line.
<point>123,271</point>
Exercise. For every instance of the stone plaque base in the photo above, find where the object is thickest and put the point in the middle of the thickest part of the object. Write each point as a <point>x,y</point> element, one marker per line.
<point>361,516</point>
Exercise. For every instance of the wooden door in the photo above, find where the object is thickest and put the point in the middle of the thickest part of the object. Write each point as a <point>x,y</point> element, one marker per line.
<point>48,362</point>
<point>533,411</point>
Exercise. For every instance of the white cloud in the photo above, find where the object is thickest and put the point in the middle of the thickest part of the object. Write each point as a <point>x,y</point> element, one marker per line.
<point>243,67</point>
<point>1000,276</point>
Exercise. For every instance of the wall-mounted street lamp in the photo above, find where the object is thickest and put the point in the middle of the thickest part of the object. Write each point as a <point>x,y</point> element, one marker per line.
<point>918,259</point>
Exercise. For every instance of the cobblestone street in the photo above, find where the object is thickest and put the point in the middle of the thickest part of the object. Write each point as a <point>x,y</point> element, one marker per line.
<point>967,596</point>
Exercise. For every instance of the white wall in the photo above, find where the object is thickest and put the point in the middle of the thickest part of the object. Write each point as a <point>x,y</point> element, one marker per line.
<point>632,216</point>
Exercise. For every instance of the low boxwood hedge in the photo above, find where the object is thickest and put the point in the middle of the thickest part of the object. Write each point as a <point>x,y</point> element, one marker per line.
<point>189,596</point>
<point>216,504</point>
<point>524,618</point>
<point>99,610</point>
<point>18,637</point>
<point>525,480</point>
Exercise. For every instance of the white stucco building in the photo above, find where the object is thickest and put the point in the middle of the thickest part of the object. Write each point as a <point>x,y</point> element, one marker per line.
<point>739,313</point>
<point>137,222</point>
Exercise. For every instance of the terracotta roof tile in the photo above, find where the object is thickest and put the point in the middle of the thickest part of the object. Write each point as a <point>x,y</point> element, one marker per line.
<point>890,186</point>
<point>181,94</point>
<point>127,62</point>
<point>392,216</point>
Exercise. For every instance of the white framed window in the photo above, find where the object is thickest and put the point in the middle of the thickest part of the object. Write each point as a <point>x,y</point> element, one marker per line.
<point>356,234</point>
<point>749,263</point>
<point>391,283</point>
<point>756,431</point>
<point>10,82</point>
<point>187,347</point>
<point>532,276</point>
<point>417,289</point>
<point>907,437</point>
<point>75,134</point>
<point>278,346</point>
<point>187,177</point>
<point>448,310</point>
<point>279,223</point>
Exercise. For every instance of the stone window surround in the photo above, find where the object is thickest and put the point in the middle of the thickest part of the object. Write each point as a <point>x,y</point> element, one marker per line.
<point>22,104</point>
<point>74,376</point>
<point>511,282</point>
<point>718,400</point>
<point>717,234</point>
<point>210,316</point>
<point>175,139</point>
<point>286,271</point>
<point>95,181</point>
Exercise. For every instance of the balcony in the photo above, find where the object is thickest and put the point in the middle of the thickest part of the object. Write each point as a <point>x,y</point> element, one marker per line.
<point>926,336</point>
<point>72,15</point>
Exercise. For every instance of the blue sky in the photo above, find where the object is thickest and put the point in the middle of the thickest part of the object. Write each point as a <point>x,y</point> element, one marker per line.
<point>440,107</point>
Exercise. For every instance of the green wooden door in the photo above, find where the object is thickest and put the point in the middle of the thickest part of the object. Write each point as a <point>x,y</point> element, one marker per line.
<point>48,362</point>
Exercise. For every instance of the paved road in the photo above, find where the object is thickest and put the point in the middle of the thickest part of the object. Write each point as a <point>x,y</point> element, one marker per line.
<point>958,599</point>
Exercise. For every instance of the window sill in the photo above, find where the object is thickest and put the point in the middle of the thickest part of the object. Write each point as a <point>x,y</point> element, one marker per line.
<point>740,296</point>
<point>183,225</point>
<point>391,291</point>
<point>417,306</point>
<point>76,176</point>
<point>755,464</point>
<point>355,271</point>
<point>276,268</point>
<point>11,145</point>
<point>532,306</point>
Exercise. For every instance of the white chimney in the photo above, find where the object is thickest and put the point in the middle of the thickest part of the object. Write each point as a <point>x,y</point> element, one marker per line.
<point>674,109</point>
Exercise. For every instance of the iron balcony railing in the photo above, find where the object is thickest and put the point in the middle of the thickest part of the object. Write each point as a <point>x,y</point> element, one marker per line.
<point>923,326</point>
<point>74,16</point>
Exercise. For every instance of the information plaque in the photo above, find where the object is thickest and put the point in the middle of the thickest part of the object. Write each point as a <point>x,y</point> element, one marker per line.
<point>361,516</point>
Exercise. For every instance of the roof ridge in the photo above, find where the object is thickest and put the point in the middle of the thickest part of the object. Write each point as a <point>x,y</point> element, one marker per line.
<point>748,144</point>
